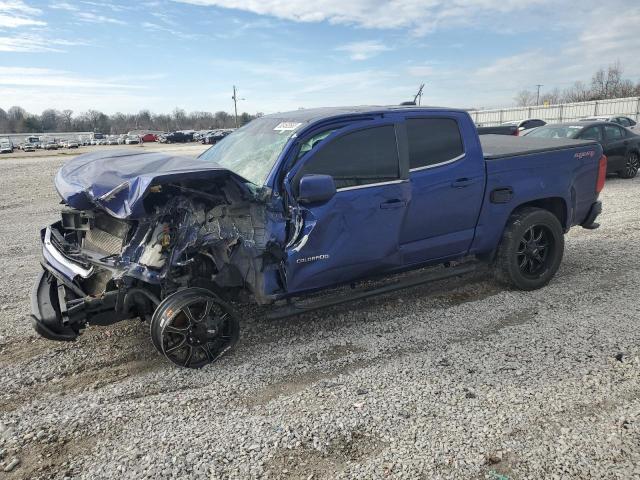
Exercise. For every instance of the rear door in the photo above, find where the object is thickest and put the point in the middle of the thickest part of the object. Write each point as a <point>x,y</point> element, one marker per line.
<point>356,233</point>
<point>615,146</point>
<point>447,177</point>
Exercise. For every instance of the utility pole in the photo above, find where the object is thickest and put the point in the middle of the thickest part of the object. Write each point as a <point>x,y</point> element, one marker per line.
<point>235,104</point>
<point>538,95</point>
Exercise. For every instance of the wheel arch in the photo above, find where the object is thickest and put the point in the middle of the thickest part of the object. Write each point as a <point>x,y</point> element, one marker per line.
<point>556,205</point>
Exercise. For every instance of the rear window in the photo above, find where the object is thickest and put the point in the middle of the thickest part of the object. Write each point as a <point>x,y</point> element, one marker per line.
<point>558,131</point>
<point>433,141</point>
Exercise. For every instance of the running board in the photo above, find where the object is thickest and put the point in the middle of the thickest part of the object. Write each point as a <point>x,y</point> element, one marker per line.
<point>299,308</point>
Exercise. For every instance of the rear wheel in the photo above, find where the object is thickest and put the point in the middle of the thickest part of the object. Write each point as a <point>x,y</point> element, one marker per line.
<point>193,327</point>
<point>531,249</point>
<point>631,166</point>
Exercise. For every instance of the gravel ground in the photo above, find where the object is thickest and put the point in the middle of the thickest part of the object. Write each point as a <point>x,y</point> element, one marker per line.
<point>462,379</point>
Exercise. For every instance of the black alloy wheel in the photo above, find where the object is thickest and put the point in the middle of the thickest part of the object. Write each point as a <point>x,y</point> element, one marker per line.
<point>531,249</point>
<point>631,166</point>
<point>535,250</point>
<point>193,327</point>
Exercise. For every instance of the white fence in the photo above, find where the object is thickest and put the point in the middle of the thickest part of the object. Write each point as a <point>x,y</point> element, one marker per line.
<point>18,138</point>
<point>566,112</point>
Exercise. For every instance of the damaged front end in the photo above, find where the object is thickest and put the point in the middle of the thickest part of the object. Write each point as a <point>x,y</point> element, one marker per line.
<point>127,242</point>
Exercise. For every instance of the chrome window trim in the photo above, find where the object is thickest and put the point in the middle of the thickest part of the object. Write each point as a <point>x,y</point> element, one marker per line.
<point>446,162</point>
<point>356,187</point>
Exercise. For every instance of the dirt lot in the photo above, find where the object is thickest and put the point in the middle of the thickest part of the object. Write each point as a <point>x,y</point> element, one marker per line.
<point>457,380</point>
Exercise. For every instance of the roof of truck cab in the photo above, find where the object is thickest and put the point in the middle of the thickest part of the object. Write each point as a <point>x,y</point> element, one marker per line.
<point>309,115</point>
<point>502,146</point>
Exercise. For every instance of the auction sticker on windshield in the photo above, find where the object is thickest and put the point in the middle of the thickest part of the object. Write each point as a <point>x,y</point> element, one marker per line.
<point>286,126</point>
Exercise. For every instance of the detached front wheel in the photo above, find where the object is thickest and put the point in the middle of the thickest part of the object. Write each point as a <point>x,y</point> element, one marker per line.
<point>193,327</point>
<point>531,249</point>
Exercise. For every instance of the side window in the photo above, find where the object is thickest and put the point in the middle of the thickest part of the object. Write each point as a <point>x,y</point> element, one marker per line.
<point>358,158</point>
<point>592,133</point>
<point>623,121</point>
<point>613,133</point>
<point>433,141</point>
<point>632,123</point>
<point>313,142</point>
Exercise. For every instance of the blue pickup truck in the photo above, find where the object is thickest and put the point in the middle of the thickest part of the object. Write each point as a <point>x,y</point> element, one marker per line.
<point>293,209</point>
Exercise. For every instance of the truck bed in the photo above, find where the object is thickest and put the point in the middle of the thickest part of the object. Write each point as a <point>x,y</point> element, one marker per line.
<point>502,146</point>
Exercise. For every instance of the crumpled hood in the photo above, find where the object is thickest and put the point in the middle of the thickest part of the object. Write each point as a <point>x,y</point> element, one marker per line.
<point>119,180</point>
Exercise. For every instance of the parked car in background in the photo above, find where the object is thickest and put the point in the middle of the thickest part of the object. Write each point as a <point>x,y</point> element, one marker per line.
<point>149,137</point>
<point>132,140</point>
<point>621,146</point>
<point>300,202</point>
<point>215,137</point>
<point>28,147</point>
<point>515,127</point>
<point>33,140</point>
<point>619,119</point>
<point>6,146</point>
<point>176,137</point>
<point>71,144</point>
<point>50,145</point>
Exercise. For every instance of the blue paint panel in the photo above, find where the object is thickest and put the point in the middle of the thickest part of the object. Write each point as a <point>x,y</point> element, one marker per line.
<point>349,237</point>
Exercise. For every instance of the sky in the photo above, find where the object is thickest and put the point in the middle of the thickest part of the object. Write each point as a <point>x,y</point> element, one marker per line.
<point>124,56</point>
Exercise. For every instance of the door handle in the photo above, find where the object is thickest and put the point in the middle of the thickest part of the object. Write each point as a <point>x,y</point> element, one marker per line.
<point>462,182</point>
<point>397,203</point>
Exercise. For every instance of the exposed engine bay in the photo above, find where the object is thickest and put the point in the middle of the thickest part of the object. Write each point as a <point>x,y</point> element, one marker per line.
<point>192,233</point>
<point>207,234</point>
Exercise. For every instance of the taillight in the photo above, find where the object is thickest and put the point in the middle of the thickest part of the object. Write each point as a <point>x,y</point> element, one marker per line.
<point>602,173</point>
<point>517,132</point>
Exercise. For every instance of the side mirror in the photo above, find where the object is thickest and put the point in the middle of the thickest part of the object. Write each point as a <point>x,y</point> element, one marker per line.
<point>316,188</point>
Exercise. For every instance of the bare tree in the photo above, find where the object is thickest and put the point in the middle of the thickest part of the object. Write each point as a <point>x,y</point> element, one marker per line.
<point>67,119</point>
<point>578,92</point>
<point>606,84</point>
<point>551,98</point>
<point>525,98</point>
<point>17,120</point>
<point>49,120</point>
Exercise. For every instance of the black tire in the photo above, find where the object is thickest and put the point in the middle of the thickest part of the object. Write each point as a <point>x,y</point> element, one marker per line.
<point>531,249</point>
<point>194,338</point>
<point>631,166</point>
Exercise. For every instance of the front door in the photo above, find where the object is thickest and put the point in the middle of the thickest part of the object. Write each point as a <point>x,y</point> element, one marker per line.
<point>356,233</point>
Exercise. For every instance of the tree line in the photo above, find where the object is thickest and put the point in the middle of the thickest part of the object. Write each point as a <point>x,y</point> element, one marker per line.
<point>605,84</point>
<point>17,120</point>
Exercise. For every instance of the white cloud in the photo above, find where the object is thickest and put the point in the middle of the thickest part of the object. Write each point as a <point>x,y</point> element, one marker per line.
<point>10,21</point>
<point>64,6</point>
<point>45,77</point>
<point>172,31</point>
<point>34,43</point>
<point>16,13</point>
<point>18,7</point>
<point>422,70</point>
<point>363,50</point>
<point>95,18</point>
<point>420,16</point>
